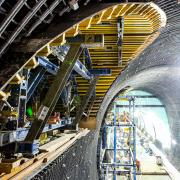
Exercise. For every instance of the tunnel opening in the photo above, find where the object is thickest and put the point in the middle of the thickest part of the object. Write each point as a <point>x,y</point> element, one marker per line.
<point>150,144</point>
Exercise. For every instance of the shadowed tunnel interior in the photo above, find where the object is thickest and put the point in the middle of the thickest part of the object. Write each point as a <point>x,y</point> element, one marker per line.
<point>155,70</point>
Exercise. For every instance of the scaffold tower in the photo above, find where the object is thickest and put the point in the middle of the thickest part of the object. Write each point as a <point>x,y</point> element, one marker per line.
<point>118,142</point>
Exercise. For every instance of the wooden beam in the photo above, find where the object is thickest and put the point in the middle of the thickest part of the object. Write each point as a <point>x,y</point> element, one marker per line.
<point>17,79</point>
<point>89,123</point>
<point>59,40</point>
<point>32,64</point>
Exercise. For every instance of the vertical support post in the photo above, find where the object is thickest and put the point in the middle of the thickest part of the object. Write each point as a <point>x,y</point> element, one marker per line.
<point>114,174</point>
<point>87,58</point>
<point>35,82</point>
<point>134,138</point>
<point>107,169</point>
<point>120,31</point>
<point>130,131</point>
<point>104,137</point>
<point>91,103</point>
<point>23,99</point>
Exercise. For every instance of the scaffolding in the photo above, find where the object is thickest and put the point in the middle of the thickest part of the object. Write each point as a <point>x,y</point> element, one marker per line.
<point>119,158</point>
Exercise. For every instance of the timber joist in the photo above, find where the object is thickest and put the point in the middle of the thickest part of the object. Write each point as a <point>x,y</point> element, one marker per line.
<point>17,79</point>
<point>142,22</point>
<point>32,64</point>
<point>4,96</point>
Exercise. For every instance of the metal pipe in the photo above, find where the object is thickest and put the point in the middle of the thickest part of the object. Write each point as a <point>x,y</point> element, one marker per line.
<point>43,16</point>
<point>1,2</point>
<point>134,138</point>
<point>49,66</point>
<point>142,106</point>
<point>11,15</point>
<point>64,10</point>
<point>117,164</point>
<point>3,11</point>
<point>23,23</point>
<point>81,70</point>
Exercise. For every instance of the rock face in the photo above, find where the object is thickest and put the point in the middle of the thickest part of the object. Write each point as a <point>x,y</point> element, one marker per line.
<point>156,70</point>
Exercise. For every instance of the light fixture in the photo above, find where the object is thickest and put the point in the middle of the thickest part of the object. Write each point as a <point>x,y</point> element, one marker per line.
<point>173,142</point>
<point>73,4</point>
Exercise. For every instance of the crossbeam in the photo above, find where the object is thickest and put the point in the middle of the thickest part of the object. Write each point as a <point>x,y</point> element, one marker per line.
<point>142,106</point>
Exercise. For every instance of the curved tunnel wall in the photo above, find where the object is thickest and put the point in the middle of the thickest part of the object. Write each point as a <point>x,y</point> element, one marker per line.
<point>77,163</point>
<point>157,70</point>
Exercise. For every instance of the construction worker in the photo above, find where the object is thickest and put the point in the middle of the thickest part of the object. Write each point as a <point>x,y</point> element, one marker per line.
<point>126,117</point>
<point>138,164</point>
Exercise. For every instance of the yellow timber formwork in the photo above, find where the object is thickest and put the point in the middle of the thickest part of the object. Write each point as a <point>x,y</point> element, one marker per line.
<point>142,24</point>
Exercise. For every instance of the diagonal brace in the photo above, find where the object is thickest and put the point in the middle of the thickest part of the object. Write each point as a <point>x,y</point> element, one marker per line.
<point>85,100</point>
<point>53,93</point>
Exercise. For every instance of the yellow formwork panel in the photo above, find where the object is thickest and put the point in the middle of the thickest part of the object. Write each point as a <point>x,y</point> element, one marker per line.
<point>138,26</point>
<point>60,40</point>
<point>141,21</point>
<point>73,31</point>
<point>45,51</point>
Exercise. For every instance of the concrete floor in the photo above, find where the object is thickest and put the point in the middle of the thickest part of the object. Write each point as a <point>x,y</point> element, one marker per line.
<point>146,177</point>
<point>153,177</point>
<point>148,166</point>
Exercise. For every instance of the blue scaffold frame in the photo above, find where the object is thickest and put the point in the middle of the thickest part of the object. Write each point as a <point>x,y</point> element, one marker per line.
<point>111,168</point>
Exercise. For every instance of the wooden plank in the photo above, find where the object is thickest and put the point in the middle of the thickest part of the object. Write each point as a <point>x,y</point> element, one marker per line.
<point>89,123</point>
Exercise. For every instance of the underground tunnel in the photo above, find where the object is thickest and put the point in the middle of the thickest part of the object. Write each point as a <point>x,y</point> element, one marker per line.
<point>90,89</point>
